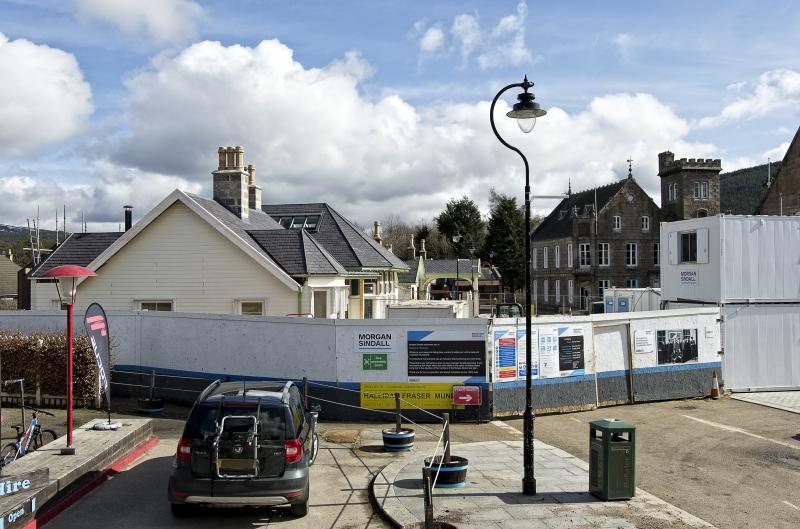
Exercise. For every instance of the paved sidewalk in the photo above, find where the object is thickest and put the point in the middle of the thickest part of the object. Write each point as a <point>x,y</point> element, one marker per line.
<point>782,400</point>
<point>492,498</point>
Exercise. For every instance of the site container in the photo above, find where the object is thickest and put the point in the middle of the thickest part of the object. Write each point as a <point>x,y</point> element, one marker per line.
<point>731,259</point>
<point>631,299</point>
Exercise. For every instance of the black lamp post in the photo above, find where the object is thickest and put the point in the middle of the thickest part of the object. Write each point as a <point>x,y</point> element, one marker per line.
<point>456,240</point>
<point>525,111</point>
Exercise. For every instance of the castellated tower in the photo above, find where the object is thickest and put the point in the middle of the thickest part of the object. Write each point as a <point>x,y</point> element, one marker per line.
<point>689,188</point>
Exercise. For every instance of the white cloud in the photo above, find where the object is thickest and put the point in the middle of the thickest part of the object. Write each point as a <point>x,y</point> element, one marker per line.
<point>102,199</point>
<point>775,90</point>
<point>624,44</point>
<point>43,96</point>
<point>500,46</point>
<point>777,153</point>
<point>432,40</point>
<point>164,21</point>
<point>314,136</point>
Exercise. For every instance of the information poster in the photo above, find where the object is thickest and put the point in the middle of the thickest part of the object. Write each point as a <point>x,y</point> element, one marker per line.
<point>644,341</point>
<point>521,360</point>
<point>677,346</point>
<point>446,354</point>
<point>505,354</point>
<point>570,352</point>
<point>548,353</point>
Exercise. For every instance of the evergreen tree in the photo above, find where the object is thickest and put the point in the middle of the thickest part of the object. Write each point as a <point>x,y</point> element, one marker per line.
<point>505,240</point>
<point>461,216</point>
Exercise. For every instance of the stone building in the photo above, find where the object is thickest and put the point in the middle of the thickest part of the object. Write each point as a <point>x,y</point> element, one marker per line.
<point>595,239</point>
<point>783,194</point>
<point>689,188</point>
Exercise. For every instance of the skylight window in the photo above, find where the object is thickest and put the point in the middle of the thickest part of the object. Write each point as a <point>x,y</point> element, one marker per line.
<point>297,222</point>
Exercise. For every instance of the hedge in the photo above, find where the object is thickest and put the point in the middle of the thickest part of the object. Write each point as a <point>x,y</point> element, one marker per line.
<point>47,365</point>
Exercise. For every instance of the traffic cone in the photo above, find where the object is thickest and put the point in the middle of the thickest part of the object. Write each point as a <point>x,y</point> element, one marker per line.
<point>714,385</point>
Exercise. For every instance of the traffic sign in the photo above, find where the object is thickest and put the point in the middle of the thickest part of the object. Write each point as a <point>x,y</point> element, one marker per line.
<point>466,395</point>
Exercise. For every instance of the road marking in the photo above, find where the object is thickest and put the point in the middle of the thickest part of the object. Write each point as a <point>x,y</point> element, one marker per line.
<point>745,432</point>
<point>576,420</point>
<point>506,427</point>
<point>792,505</point>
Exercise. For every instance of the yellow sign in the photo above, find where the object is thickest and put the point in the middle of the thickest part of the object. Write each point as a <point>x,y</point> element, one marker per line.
<point>428,396</point>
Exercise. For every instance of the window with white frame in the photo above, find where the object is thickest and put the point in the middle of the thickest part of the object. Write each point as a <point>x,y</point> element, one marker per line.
<point>632,283</point>
<point>544,290</point>
<point>631,254</point>
<point>535,284</point>
<point>603,254</point>
<point>656,252</point>
<point>602,285</point>
<point>645,223</point>
<point>545,256</point>
<point>570,289</point>
<point>584,254</point>
<point>250,307</point>
<point>558,256</point>
<point>569,255</point>
<point>158,305</point>
<point>558,291</point>
<point>533,258</point>
<point>616,222</point>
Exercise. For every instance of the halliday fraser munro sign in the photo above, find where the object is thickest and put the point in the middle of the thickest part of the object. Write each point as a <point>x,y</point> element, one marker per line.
<point>17,514</point>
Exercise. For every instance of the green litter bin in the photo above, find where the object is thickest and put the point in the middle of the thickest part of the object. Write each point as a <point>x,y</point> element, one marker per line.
<point>612,459</point>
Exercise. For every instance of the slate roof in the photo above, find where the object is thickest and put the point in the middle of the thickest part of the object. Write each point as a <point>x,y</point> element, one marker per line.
<point>78,249</point>
<point>297,252</point>
<point>556,226</point>
<point>343,240</point>
<point>410,275</point>
<point>448,266</point>
<point>8,277</point>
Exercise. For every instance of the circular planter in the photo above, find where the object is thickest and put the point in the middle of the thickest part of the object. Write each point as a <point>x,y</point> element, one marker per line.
<point>452,475</point>
<point>398,441</point>
<point>150,405</point>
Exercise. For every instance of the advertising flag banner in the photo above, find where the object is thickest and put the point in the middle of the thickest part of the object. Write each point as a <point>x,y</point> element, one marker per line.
<point>96,325</point>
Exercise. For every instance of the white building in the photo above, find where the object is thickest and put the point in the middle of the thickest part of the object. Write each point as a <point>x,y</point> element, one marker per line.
<point>750,267</point>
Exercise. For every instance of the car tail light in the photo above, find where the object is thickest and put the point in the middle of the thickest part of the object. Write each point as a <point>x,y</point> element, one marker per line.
<point>184,454</point>
<point>294,451</point>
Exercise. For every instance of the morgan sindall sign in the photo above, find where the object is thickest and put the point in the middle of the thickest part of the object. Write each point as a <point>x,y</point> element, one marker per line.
<point>372,340</point>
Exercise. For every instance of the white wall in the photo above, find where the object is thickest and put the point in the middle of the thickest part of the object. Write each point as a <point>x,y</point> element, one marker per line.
<point>179,257</point>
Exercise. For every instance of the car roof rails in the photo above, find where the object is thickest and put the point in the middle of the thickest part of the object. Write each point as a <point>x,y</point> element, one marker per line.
<point>211,387</point>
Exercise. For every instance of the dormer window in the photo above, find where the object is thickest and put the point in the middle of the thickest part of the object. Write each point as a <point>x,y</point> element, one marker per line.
<point>298,222</point>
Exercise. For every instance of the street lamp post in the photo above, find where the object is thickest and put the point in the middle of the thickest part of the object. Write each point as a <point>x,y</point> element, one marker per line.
<point>67,295</point>
<point>456,240</point>
<point>525,111</point>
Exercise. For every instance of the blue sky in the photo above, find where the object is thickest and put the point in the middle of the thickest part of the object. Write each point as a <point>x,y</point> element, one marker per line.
<point>379,108</point>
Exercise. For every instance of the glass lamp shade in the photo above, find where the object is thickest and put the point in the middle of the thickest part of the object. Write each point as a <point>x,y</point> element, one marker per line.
<point>526,124</point>
<point>525,111</point>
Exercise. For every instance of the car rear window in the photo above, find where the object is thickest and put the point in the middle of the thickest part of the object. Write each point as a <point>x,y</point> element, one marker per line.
<point>205,417</point>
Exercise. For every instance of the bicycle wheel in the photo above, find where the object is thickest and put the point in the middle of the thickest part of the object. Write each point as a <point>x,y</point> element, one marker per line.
<point>44,437</point>
<point>8,454</point>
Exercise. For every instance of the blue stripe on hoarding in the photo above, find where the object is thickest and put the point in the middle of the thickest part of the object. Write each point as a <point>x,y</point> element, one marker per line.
<point>610,374</point>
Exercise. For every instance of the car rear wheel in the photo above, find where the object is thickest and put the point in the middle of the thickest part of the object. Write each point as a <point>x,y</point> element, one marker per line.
<point>180,510</point>
<point>301,509</point>
<point>314,448</point>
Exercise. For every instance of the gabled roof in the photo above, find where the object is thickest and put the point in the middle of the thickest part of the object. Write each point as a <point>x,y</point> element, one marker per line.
<point>343,240</point>
<point>297,252</point>
<point>218,217</point>
<point>448,266</point>
<point>557,225</point>
<point>791,157</point>
<point>8,277</point>
<point>78,249</point>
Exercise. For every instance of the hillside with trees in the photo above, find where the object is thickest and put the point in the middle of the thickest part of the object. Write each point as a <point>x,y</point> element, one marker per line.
<point>742,190</point>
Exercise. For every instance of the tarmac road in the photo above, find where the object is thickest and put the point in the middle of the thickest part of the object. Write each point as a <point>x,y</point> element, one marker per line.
<point>732,463</point>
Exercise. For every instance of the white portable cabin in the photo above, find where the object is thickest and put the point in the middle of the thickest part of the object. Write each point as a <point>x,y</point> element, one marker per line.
<point>631,299</point>
<point>731,259</point>
<point>750,267</point>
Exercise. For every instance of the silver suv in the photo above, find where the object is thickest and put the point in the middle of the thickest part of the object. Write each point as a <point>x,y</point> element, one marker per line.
<point>245,443</point>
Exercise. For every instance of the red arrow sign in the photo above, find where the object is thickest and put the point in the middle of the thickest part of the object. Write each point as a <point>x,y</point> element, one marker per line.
<point>466,395</point>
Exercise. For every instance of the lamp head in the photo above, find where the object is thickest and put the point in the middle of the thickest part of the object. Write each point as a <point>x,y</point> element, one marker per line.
<point>526,110</point>
<point>457,238</point>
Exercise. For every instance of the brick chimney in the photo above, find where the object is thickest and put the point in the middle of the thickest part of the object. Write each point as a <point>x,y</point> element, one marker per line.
<point>253,190</point>
<point>232,182</point>
<point>376,232</point>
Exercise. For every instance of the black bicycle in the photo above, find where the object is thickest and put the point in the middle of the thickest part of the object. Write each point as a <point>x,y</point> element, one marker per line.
<point>28,439</point>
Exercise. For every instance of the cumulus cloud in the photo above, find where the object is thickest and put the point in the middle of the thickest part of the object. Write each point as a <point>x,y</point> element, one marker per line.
<point>777,153</point>
<point>164,21</point>
<point>775,90</point>
<point>502,45</point>
<point>43,96</point>
<point>101,200</point>
<point>314,136</point>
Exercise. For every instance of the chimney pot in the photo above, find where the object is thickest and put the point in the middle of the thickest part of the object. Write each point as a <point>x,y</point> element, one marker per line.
<point>376,232</point>
<point>128,217</point>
